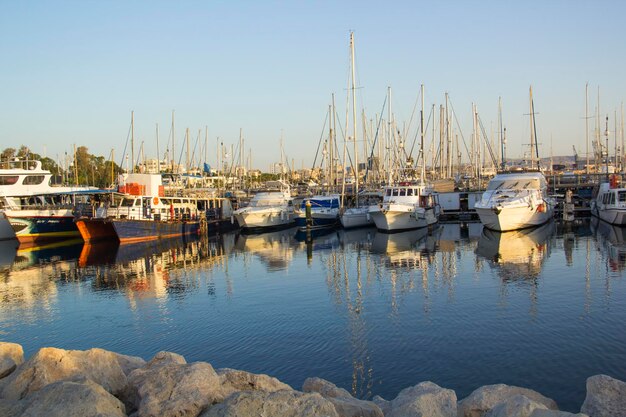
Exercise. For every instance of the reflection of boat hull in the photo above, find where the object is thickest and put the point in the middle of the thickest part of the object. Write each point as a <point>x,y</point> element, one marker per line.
<point>109,252</point>
<point>318,221</point>
<point>129,230</point>
<point>514,218</point>
<point>518,253</point>
<point>95,229</point>
<point>36,228</point>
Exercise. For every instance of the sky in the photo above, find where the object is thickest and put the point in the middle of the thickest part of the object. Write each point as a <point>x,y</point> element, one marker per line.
<point>71,72</point>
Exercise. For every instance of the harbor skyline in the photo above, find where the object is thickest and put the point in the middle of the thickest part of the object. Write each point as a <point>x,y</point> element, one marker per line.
<point>74,71</point>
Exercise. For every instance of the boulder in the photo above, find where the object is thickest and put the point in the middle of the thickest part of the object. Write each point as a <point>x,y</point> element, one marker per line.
<point>425,399</point>
<point>50,365</point>
<point>275,404</point>
<point>555,413</point>
<point>345,404</point>
<point>80,398</point>
<point>606,397</point>
<point>11,355</point>
<point>233,380</point>
<point>165,387</point>
<point>515,406</point>
<point>129,363</point>
<point>483,399</point>
<point>384,405</point>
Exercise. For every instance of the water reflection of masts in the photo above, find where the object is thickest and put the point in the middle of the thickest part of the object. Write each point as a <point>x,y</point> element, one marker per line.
<point>338,282</point>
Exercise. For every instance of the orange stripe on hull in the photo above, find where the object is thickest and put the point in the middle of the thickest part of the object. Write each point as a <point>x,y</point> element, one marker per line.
<point>149,238</point>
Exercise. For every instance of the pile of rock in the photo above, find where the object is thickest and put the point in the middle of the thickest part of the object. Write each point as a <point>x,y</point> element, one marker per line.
<point>96,382</point>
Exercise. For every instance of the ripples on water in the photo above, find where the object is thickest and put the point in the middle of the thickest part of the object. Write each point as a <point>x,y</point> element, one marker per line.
<point>373,313</point>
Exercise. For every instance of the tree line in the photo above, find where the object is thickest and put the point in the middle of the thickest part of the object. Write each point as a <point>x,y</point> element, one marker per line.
<point>79,168</point>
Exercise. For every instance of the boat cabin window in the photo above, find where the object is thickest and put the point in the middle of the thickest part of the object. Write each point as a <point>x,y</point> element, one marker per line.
<point>515,184</point>
<point>8,179</point>
<point>33,179</point>
<point>409,192</point>
<point>394,192</point>
<point>177,201</point>
<point>388,192</point>
<point>612,200</point>
<point>127,202</point>
<point>402,192</point>
<point>622,196</point>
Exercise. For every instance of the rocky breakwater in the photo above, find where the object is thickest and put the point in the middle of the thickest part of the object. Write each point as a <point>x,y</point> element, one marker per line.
<point>56,382</point>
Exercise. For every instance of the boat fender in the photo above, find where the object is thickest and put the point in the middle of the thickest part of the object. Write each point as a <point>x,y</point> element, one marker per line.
<point>232,219</point>
<point>171,211</point>
<point>155,201</point>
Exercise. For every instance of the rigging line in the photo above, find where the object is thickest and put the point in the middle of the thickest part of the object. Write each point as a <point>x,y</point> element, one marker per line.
<point>375,138</point>
<point>195,146</point>
<point>532,105</point>
<point>458,125</point>
<point>482,128</point>
<point>408,128</point>
<point>319,142</point>
<point>125,146</point>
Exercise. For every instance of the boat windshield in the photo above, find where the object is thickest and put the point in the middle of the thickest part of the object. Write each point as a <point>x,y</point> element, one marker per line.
<point>266,202</point>
<point>127,202</point>
<point>513,184</point>
<point>622,197</point>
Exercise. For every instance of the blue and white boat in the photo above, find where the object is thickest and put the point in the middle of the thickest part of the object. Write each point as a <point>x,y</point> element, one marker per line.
<point>324,212</point>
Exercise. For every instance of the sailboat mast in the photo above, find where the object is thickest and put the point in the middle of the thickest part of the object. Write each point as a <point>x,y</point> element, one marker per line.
<point>132,139</point>
<point>356,157</point>
<point>158,151</point>
<point>501,133</point>
<point>587,127</point>
<point>421,155</point>
<point>174,166</point>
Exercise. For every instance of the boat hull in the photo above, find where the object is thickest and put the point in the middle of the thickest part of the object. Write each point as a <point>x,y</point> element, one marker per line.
<point>6,231</point>
<point>396,219</point>
<point>356,217</point>
<point>129,230</point>
<point>505,219</point>
<point>96,229</point>
<point>265,220</point>
<point>41,228</point>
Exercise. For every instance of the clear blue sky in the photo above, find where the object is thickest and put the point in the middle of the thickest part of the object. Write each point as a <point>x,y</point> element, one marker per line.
<point>72,71</point>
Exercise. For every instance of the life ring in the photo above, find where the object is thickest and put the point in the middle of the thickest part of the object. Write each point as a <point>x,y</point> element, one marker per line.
<point>155,201</point>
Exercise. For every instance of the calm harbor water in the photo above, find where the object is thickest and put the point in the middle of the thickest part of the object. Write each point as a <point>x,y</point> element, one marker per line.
<point>373,313</point>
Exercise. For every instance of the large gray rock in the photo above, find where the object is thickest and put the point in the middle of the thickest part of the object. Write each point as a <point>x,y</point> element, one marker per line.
<point>606,397</point>
<point>50,365</point>
<point>233,380</point>
<point>11,355</point>
<point>555,413</point>
<point>129,363</point>
<point>272,404</point>
<point>425,399</point>
<point>383,404</point>
<point>516,406</point>
<point>82,398</point>
<point>483,399</point>
<point>345,404</point>
<point>168,387</point>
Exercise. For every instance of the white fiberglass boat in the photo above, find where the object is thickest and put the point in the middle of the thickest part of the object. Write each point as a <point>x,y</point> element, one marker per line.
<point>269,209</point>
<point>610,203</point>
<point>515,200</point>
<point>406,206</point>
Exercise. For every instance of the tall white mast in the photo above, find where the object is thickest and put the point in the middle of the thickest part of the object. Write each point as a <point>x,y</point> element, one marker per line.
<point>356,157</point>
<point>422,156</point>
<point>132,139</point>
<point>587,127</point>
